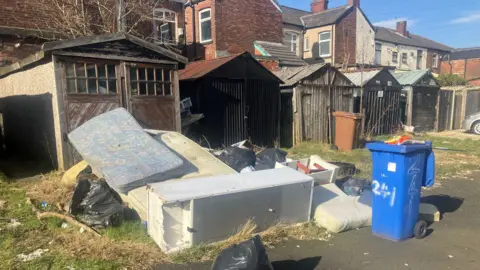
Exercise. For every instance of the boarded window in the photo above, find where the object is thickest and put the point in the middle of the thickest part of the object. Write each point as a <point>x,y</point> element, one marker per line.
<point>150,81</point>
<point>395,57</point>
<point>90,78</point>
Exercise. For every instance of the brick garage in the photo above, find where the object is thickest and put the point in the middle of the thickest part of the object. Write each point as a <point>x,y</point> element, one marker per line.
<point>235,26</point>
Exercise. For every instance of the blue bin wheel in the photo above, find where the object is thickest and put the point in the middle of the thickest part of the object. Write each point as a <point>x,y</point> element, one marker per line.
<point>420,230</point>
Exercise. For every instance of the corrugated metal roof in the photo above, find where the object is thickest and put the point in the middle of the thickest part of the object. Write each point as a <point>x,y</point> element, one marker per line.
<point>198,69</point>
<point>410,77</point>
<point>390,35</point>
<point>281,52</point>
<point>360,80</point>
<point>292,75</point>
<point>327,17</point>
<point>292,15</point>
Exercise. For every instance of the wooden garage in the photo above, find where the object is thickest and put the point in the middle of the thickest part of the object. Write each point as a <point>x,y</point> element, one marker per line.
<point>310,94</point>
<point>381,101</point>
<point>420,95</point>
<point>238,97</point>
<point>85,77</point>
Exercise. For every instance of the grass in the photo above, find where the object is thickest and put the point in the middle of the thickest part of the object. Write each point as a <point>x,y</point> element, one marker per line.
<point>125,246</point>
<point>460,161</point>
<point>270,237</point>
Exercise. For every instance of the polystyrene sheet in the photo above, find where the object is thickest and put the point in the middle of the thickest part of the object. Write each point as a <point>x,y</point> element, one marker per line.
<point>119,150</point>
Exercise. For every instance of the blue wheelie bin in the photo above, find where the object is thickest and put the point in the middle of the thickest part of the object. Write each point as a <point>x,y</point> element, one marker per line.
<point>399,172</point>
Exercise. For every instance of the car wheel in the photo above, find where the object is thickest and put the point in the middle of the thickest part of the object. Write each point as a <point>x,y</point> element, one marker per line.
<point>476,128</point>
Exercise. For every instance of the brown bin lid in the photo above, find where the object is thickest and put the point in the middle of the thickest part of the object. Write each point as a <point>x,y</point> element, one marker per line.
<point>348,115</point>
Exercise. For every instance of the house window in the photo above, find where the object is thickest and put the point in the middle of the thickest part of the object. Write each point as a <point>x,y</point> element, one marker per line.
<point>291,41</point>
<point>150,81</point>
<point>404,58</point>
<point>164,24</point>
<point>324,44</point>
<point>378,53</point>
<point>306,44</point>
<point>88,78</point>
<point>419,59</point>
<point>435,60</point>
<point>395,57</point>
<point>205,18</point>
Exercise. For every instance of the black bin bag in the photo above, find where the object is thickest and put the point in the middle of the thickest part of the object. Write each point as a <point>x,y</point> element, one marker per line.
<point>248,255</point>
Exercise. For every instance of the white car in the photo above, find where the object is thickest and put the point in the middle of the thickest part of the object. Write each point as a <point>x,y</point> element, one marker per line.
<point>472,122</point>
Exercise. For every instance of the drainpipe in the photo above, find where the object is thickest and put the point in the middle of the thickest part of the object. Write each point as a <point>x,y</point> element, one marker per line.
<point>192,4</point>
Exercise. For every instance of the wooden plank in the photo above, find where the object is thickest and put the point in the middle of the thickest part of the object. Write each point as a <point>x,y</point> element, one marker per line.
<point>114,57</point>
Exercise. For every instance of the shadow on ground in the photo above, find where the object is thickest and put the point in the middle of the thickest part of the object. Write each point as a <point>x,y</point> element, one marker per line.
<point>444,203</point>
<point>304,264</point>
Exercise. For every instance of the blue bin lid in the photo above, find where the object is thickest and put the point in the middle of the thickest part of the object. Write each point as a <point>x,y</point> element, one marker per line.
<point>401,149</point>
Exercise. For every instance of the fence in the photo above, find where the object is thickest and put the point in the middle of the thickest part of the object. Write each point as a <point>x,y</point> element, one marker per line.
<point>454,105</point>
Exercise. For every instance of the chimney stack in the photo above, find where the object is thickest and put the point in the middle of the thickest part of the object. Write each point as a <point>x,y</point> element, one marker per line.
<point>319,5</point>
<point>402,28</point>
<point>355,3</point>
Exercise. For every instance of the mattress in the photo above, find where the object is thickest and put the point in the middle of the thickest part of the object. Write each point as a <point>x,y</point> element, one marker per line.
<point>337,212</point>
<point>119,150</point>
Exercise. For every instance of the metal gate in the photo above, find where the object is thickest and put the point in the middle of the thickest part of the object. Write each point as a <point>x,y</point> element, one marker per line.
<point>382,111</point>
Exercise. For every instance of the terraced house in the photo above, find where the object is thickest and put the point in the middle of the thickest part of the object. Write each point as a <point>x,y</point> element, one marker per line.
<point>345,37</point>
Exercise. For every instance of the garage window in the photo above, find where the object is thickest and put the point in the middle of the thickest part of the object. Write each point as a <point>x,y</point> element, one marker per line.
<point>90,78</point>
<point>150,81</point>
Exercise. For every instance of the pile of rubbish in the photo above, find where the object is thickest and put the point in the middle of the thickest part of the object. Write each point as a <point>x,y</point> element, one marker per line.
<point>187,195</point>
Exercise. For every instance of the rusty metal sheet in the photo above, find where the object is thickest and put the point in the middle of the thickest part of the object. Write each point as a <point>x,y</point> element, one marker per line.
<point>199,69</point>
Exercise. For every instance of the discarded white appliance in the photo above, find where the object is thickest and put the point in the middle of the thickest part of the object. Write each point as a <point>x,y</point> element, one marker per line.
<point>197,162</point>
<point>185,213</point>
<point>322,171</point>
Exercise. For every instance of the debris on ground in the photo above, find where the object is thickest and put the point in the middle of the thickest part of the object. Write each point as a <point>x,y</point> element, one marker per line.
<point>429,213</point>
<point>317,168</point>
<point>32,256</point>
<point>120,151</point>
<point>338,212</point>
<point>2,204</point>
<point>95,204</point>
<point>267,158</point>
<point>355,187</point>
<point>238,158</point>
<point>13,224</point>
<point>247,255</point>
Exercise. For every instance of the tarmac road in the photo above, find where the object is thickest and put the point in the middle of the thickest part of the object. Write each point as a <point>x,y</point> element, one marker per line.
<point>453,243</point>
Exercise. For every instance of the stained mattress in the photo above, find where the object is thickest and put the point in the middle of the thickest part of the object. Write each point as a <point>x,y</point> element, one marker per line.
<point>119,150</point>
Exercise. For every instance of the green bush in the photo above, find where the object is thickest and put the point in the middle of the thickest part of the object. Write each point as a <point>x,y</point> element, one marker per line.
<point>451,80</point>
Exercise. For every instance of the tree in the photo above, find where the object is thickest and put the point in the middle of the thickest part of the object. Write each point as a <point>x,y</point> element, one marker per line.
<point>76,18</point>
<point>451,80</point>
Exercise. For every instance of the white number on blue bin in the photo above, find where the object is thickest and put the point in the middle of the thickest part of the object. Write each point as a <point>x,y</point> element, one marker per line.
<point>384,191</point>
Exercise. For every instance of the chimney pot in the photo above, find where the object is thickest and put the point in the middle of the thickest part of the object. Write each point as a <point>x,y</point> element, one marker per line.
<point>355,3</point>
<point>319,5</point>
<point>402,28</point>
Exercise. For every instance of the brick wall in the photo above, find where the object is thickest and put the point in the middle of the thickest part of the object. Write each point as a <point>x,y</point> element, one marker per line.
<point>345,39</point>
<point>195,50</point>
<point>240,23</point>
<point>235,26</point>
<point>23,14</point>
<point>272,65</point>
<point>468,69</point>
<point>430,60</point>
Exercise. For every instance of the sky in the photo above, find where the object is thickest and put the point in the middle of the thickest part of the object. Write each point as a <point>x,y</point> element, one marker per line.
<point>455,23</point>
